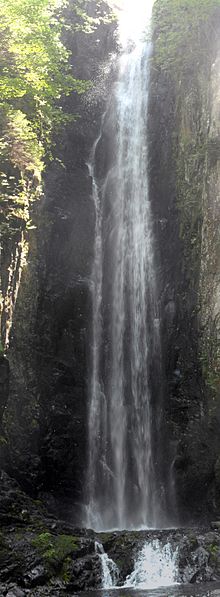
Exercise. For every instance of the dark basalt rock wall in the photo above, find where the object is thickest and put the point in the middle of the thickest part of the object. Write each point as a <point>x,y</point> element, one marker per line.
<point>65,301</point>
<point>45,420</point>
<point>183,124</point>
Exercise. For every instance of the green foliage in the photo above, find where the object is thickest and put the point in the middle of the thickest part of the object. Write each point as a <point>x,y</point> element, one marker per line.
<point>181,33</point>
<point>213,550</point>
<point>35,69</point>
<point>20,144</point>
<point>56,550</point>
<point>185,43</point>
<point>66,575</point>
<point>43,541</point>
<point>87,23</point>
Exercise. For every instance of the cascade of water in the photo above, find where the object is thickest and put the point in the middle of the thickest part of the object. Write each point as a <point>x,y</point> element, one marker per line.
<point>98,407</point>
<point>126,329</point>
<point>156,566</point>
<point>110,572</point>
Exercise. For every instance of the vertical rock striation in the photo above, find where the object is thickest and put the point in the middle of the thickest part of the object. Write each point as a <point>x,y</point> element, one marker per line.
<point>45,417</point>
<point>184,128</point>
<point>45,421</point>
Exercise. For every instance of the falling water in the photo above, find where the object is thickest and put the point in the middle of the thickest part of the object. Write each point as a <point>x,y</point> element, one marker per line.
<point>156,566</point>
<point>122,484</point>
<point>110,572</point>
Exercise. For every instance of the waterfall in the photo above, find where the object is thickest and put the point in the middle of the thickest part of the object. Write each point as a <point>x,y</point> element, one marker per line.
<point>122,484</point>
<point>110,572</point>
<point>156,566</point>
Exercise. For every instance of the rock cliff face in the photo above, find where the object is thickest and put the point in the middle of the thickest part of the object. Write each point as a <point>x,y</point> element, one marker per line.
<point>184,162</point>
<point>45,417</point>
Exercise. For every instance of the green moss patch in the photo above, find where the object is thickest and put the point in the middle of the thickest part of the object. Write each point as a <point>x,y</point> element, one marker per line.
<point>56,550</point>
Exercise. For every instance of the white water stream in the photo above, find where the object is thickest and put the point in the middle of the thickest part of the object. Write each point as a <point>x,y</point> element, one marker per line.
<point>121,481</point>
<point>110,572</point>
<point>155,567</point>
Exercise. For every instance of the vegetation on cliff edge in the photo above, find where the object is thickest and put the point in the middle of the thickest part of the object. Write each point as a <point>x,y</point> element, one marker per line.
<point>186,35</point>
<point>36,72</point>
<point>181,34</point>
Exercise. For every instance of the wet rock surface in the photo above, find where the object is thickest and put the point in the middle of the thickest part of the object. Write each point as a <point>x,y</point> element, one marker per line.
<point>45,422</point>
<point>42,555</point>
<point>198,552</point>
<point>46,413</point>
<point>185,246</point>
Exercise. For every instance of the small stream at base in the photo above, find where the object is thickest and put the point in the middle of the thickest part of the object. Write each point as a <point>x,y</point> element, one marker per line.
<point>110,572</point>
<point>155,566</point>
<point>159,570</point>
<point>203,590</point>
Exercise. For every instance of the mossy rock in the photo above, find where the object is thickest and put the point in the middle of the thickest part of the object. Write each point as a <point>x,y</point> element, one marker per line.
<point>66,570</point>
<point>55,550</point>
